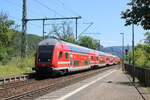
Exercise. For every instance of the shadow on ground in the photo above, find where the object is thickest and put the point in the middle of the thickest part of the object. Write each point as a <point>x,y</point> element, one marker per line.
<point>125,83</point>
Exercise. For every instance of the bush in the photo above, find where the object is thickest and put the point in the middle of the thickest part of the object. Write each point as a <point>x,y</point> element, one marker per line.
<point>142,55</point>
<point>17,66</point>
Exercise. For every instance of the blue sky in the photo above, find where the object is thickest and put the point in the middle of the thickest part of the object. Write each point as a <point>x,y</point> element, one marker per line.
<point>105,14</point>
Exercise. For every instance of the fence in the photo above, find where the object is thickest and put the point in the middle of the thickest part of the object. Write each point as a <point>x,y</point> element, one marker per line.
<point>142,74</point>
<point>16,78</point>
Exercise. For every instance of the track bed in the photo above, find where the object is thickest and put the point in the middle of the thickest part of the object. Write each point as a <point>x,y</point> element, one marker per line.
<point>42,87</point>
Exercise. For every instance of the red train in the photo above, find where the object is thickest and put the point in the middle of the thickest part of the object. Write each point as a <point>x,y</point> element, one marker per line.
<point>56,56</point>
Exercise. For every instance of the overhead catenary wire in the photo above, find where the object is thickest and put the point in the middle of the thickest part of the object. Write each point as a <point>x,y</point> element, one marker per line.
<point>90,24</point>
<point>60,2</point>
<point>14,4</point>
<point>19,6</point>
<point>65,7</point>
<point>43,5</point>
<point>62,5</point>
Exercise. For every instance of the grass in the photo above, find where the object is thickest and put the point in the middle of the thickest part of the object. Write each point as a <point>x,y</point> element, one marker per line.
<point>17,66</point>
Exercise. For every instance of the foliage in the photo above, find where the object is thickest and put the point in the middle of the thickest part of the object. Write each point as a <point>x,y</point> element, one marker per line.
<point>64,32</point>
<point>147,40</point>
<point>10,40</point>
<point>139,13</point>
<point>5,26</point>
<point>17,66</point>
<point>88,42</point>
<point>142,53</point>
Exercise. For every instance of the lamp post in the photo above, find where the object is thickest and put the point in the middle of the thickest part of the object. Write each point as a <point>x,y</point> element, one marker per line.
<point>133,62</point>
<point>133,58</point>
<point>122,51</point>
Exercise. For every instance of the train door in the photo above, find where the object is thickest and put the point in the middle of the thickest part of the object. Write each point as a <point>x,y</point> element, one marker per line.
<point>70,59</point>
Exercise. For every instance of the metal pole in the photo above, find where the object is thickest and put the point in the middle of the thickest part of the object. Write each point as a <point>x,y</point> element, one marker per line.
<point>24,29</point>
<point>122,51</point>
<point>64,18</point>
<point>43,28</point>
<point>43,19</point>
<point>76,28</point>
<point>133,53</point>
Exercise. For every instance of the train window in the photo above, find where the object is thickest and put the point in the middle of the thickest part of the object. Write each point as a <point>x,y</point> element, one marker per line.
<point>86,62</point>
<point>67,55</point>
<point>102,61</point>
<point>96,58</point>
<point>46,48</point>
<point>76,63</point>
<point>111,61</point>
<point>45,52</point>
<point>60,54</point>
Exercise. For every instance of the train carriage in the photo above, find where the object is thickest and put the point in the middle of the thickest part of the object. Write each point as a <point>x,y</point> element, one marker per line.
<point>54,55</point>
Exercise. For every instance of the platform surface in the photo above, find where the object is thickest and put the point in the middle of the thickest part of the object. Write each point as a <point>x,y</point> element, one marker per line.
<point>109,85</point>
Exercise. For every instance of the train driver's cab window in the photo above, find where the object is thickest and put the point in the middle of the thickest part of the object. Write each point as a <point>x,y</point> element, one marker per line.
<point>67,55</point>
<point>60,54</point>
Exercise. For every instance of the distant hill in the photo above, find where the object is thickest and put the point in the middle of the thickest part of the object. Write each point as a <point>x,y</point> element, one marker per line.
<point>15,45</point>
<point>115,50</point>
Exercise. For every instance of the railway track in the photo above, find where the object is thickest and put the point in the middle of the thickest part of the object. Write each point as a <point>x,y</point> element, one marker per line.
<point>46,86</point>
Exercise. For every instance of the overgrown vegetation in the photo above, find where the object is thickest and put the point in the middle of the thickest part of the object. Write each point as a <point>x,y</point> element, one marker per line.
<point>17,66</point>
<point>10,46</point>
<point>142,53</point>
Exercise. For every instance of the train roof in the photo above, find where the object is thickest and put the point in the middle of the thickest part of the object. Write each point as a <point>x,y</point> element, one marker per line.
<point>49,41</point>
<point>73,47</point>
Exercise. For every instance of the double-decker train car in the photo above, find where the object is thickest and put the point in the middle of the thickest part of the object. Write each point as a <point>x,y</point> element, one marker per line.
<point>53,55</point>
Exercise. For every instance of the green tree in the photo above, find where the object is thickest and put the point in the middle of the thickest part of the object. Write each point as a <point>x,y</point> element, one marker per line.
<point>88,42</point>
<point>5,26</point>
<point>147,40</point>
<point>64,32</point>
<point>139,13</point>
<point>142,55</point>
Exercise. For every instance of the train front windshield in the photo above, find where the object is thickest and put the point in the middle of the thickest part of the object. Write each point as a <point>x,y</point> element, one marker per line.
<point>45,52</point>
